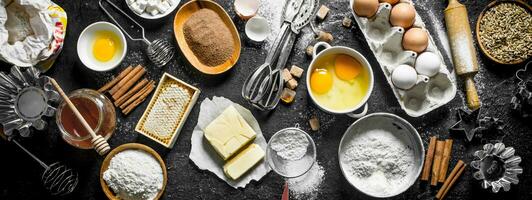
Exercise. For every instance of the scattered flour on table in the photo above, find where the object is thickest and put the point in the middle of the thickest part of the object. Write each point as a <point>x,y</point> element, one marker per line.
<point>272,11</point>
<point>290,145</point>
<point>378,162</point>
<point>134,175</point>
<point>307,186</point>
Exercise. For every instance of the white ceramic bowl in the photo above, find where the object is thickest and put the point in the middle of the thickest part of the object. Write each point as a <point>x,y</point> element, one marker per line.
<point>146,15</point>
<point>362,107</point>
<point>86,40</point>
<point>403,130</point>
<point>257,29</point>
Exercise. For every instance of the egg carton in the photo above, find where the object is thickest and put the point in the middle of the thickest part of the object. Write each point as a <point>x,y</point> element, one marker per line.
<point>385,41</point>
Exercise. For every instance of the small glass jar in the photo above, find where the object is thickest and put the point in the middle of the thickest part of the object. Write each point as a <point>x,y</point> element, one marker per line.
<point>97,110</point>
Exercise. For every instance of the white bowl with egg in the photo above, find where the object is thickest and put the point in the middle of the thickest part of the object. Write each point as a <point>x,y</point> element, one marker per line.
<point>152,9</point>
<point>354,107</point>
<point>101,46</point>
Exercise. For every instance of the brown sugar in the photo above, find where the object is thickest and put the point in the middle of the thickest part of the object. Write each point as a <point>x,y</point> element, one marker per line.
<point>208,37</point>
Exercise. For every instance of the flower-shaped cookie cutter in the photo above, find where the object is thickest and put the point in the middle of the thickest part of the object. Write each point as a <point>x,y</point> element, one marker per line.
<point>25,98</point>
<point>497,166</point>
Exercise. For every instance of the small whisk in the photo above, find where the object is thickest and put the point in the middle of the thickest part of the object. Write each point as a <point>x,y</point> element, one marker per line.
<point>58,179</point>
<point>159,51</point>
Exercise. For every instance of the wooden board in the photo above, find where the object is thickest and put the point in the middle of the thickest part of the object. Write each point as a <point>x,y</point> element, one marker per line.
<point>182,16</point>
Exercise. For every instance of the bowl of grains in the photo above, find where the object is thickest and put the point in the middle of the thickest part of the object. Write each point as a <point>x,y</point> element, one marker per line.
<point>207,36</point>
<point>133,172</point>
<point>504,31</point>
<point>381,155</point>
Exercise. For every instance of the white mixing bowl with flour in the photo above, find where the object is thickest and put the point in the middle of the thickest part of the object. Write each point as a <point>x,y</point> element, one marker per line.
<point>381,155</point>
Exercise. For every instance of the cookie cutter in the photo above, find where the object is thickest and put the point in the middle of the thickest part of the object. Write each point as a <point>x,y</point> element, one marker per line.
<point>497,167</point>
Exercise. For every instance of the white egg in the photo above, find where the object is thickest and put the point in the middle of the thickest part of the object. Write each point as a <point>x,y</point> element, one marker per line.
<point>428,64</point>
<point>404,77</point>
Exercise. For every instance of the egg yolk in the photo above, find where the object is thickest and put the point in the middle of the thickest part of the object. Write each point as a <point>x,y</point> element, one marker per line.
<point>321,81</point>
<point>105,46</point>
<point>346,67</point>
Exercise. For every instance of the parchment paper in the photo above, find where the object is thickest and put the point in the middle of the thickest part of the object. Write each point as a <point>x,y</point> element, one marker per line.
<point>205,157</point>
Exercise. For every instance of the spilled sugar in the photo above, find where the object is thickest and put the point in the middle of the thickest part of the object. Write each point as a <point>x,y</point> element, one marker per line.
<point>307,186</point>
<point>272,11</point>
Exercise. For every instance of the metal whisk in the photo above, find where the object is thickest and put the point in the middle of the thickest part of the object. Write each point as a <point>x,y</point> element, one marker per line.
<point>159,51</point>
<point>57,178</point>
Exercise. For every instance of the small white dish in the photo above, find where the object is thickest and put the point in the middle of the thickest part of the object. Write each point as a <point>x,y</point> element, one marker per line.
<point>147,15</point>
<point>86,42</point>
<point>246,9</point>
<point>257,29</point>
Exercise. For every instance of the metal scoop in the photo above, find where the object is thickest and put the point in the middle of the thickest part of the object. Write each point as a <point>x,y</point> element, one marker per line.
<point>159,51</point>
<point>57,178</point>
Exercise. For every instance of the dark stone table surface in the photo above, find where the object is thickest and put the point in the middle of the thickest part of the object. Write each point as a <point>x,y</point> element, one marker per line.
<point>20,175</point>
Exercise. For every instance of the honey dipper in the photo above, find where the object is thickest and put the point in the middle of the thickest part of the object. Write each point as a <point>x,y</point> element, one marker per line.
<point>99,143</point>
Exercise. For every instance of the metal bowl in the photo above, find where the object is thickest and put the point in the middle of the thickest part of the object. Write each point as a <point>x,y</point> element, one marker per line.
<point>399,127</point>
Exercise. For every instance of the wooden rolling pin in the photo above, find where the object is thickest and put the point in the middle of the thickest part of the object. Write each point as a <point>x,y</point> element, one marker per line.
<point>463,51</point>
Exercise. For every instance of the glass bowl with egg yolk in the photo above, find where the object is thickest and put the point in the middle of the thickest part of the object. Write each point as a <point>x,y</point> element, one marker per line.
<point>339,82</point>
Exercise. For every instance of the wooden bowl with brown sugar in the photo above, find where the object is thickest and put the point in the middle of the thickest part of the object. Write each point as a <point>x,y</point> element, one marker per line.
<point>229,59</point>
<point>130,146</point>
<point>484,47</point>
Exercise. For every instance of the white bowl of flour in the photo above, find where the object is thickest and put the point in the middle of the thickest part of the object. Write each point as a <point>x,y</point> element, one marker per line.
<point>381,155</point>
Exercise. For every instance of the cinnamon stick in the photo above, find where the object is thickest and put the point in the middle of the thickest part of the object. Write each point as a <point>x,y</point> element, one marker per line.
<point>128,84</point>
<point>141,99</point>
<point>445,159</point>
<point>437,161</point>
<point>451,179</point>
<point>115,80</point>
<point>137,95</point>
<point>122,82</point>
<point>428,159</point>
<point>131,92</point>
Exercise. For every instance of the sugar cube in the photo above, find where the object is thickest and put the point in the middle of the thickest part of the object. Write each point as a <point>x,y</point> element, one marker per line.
<point>292,84</point>
<point>296,71</point>
<point>347,22</point>
<point>314,123</point>
<point>286,75</point>
<point>322,12</point>
<point>288,95</point>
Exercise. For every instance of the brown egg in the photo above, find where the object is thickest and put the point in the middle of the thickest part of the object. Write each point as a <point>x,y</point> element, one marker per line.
<point>366,8</point>
<point>415,39</point>
<point>393,2</point>
<point>403,15</point>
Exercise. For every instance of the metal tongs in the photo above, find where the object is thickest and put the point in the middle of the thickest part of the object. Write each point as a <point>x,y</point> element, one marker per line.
<point>264,86</point>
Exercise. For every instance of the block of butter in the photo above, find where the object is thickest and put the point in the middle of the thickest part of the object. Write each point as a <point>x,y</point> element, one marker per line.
<point>229,133</point>
<point>244,161</point>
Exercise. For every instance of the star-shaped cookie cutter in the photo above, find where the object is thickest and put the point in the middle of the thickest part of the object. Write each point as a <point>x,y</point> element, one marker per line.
<point>488,129</point>
<point>466,124</point>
